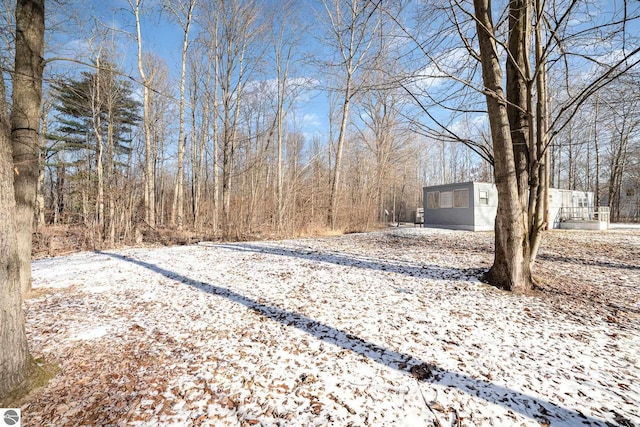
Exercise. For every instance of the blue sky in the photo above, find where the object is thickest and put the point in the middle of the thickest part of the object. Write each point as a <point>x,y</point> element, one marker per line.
<point>163,37</point>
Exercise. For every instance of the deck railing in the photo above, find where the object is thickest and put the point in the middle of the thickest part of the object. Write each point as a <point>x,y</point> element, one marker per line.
<point>584,214</point>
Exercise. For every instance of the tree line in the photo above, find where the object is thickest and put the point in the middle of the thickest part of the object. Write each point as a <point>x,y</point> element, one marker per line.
<point>222,147</point>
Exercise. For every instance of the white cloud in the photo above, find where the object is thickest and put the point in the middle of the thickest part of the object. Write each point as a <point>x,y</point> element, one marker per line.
<point>439,71</point>
<point>470,127</point>
<point>76,48</point>
<point>310,120</point>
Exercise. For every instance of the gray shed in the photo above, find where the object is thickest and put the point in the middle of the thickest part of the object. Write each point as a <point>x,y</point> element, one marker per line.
<point>465,206</point>
<point>473,206</point>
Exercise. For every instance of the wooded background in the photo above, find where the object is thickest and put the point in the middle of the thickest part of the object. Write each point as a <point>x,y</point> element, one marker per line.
<point>212,138</point>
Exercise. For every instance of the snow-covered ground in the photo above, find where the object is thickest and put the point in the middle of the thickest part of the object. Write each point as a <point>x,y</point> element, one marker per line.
<point>622,226</point>
<point>390,328</point>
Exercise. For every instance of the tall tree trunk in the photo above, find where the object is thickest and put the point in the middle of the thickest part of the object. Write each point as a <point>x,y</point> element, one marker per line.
<point>540,210</point>
<point>353,24</point>
<point>597,150</point>
<point>212,97</point>
<point>149,170</point>
<point>227,157</point>
<point>58,188</point>
<point>177,212</point>
<point>511,268</point>
<point>283,59</point>
<point>40,201</point>
<point>14,351</point>
<point>17,208</point>
<point>335,180</point>
<point>571,180</point>
<point>158,170</point>
<point>518,107</point>
<point>109,178</point>
<point>25,118</point>
<point>280,118</point>
<point>97,129</point>
<point>215,166</point>
<point>617,168</point>
<point>198,146</point>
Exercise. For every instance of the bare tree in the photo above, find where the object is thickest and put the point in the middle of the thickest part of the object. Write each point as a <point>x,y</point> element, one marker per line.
<point>25,124</point>
<point>509,132</point>
<point>200,102</point>
<point>14,351</point>
<point>23,134</point>
<point>523,45</point>
<point>160,110</point>
<point>286,37</point>
<point>380,112</point>
<point>183,12</point>
<point>149,182</point>
<point>237,29</point>
<point>96,109</point>
<point>351,26</point>
<point>624,127</point>
<point>210,41</point>
<point>40,197</point>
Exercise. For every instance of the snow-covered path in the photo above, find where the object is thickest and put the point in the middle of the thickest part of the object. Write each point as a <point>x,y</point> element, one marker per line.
<point>387,328</point>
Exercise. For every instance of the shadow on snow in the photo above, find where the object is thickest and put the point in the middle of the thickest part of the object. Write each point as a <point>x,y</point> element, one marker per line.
<point>429,271</point>
<point>583,261</point>
<point>513,400</point>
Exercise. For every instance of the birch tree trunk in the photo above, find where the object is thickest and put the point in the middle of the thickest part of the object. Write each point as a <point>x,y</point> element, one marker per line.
<point>196,157</point>
<point>177,212</point>
<point>214,141</point>
<point>149,172</point>
<point>96,98</point>
<point>212,99</point>
<point>40,200</point>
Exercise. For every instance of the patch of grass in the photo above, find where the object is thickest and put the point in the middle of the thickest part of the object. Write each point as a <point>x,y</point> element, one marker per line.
<point>41,374</point>
<point>318,231</point>
<point>40,292</point>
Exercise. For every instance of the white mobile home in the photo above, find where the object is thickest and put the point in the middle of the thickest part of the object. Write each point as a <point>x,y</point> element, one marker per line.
<point>473,206</point>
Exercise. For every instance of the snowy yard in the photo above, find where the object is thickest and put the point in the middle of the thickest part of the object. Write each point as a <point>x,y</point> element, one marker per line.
<point>388,328</point>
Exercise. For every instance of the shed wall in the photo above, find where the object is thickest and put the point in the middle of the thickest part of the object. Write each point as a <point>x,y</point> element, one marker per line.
<point>484,214</point>
<point>567,199</point>
<point>450,217</point>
